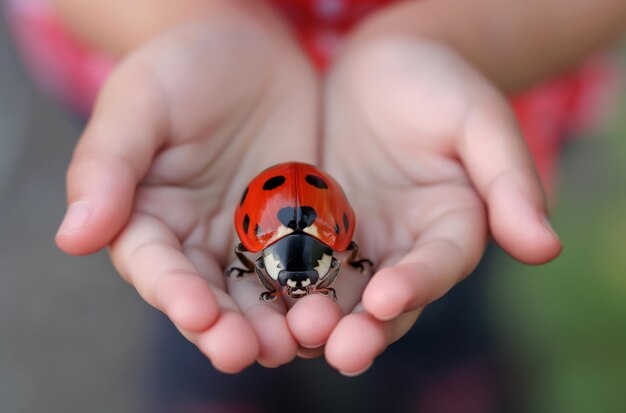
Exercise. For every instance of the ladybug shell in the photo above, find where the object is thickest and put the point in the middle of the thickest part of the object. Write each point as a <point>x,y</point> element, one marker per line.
<point>292,197</point>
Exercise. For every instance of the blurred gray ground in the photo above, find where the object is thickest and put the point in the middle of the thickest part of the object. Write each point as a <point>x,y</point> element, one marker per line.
<point>69,327</point>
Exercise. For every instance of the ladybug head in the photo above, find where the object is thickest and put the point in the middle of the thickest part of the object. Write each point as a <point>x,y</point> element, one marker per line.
<point>297,261</point>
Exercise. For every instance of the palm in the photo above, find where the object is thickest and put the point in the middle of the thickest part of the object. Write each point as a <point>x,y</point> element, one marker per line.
<point>410,129</point>
<point>207,108</point>
<point>231,118</point>
<point>413,178</point>
<point>413,184</point>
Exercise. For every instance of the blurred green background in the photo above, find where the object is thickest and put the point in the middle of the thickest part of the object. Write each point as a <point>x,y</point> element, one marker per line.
<point>71,331</point>
<point>562,326</point>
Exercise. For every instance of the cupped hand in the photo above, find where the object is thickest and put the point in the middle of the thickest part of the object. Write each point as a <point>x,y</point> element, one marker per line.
<point>180,127</point>
<point>429,154</point>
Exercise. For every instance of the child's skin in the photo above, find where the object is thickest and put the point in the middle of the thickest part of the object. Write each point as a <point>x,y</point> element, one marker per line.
<point>411,120</point>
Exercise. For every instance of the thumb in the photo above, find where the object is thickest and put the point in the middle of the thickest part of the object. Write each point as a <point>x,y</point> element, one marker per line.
<point>503,171</point>
<point>114,153</point>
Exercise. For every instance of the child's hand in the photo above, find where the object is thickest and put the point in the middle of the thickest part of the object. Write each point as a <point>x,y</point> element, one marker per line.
<point>179,129</point>
<point>432,159</point>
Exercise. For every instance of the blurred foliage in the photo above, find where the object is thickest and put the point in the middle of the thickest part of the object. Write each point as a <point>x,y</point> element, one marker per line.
<point>562,326</point>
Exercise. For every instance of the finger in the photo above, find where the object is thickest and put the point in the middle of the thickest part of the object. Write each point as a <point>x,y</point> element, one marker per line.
<point>359,338</point>
<point>277,345</point>
<point>313,317</point>
<point>150,257</point>
<point>310,353</point>
<point>115,151</point>
<point>224,351</point>
<point>230,344</point>
<point>445,252</point>
<point>503,171</point>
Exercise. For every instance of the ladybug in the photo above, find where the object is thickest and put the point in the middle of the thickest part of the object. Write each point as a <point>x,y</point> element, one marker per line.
<point>296,215</point>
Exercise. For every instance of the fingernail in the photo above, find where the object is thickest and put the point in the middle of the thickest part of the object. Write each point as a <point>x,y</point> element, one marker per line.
<point>345,373</point>
<point>547,225</point>
<point>313,347</point>
<point>77,215</point>
<point>391,316</point>
<point>267,365</point>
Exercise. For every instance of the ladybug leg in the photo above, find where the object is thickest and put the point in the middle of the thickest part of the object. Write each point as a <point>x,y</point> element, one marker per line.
<point>323,287</point>
<point>271,294</point>
<point>326,291</point>
<point>353,248</point>
<point>245,261</point>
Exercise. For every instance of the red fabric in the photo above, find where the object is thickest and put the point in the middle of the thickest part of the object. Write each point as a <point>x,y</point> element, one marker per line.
<point>321,24</point>
<point>62,65</point>
<point>559,109</point>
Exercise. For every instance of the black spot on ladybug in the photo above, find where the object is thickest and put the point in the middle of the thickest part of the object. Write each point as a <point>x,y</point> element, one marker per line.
<point>287,217</point>
<point>274,182</point>
<point>316,181</point>
<point>337,229</point>
<point>297,218</point>
<point>243,196</point>
<point>246,223</point>
<point>346,222</point>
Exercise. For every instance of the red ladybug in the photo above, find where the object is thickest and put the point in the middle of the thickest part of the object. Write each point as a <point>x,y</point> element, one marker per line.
<point>297,215</point>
